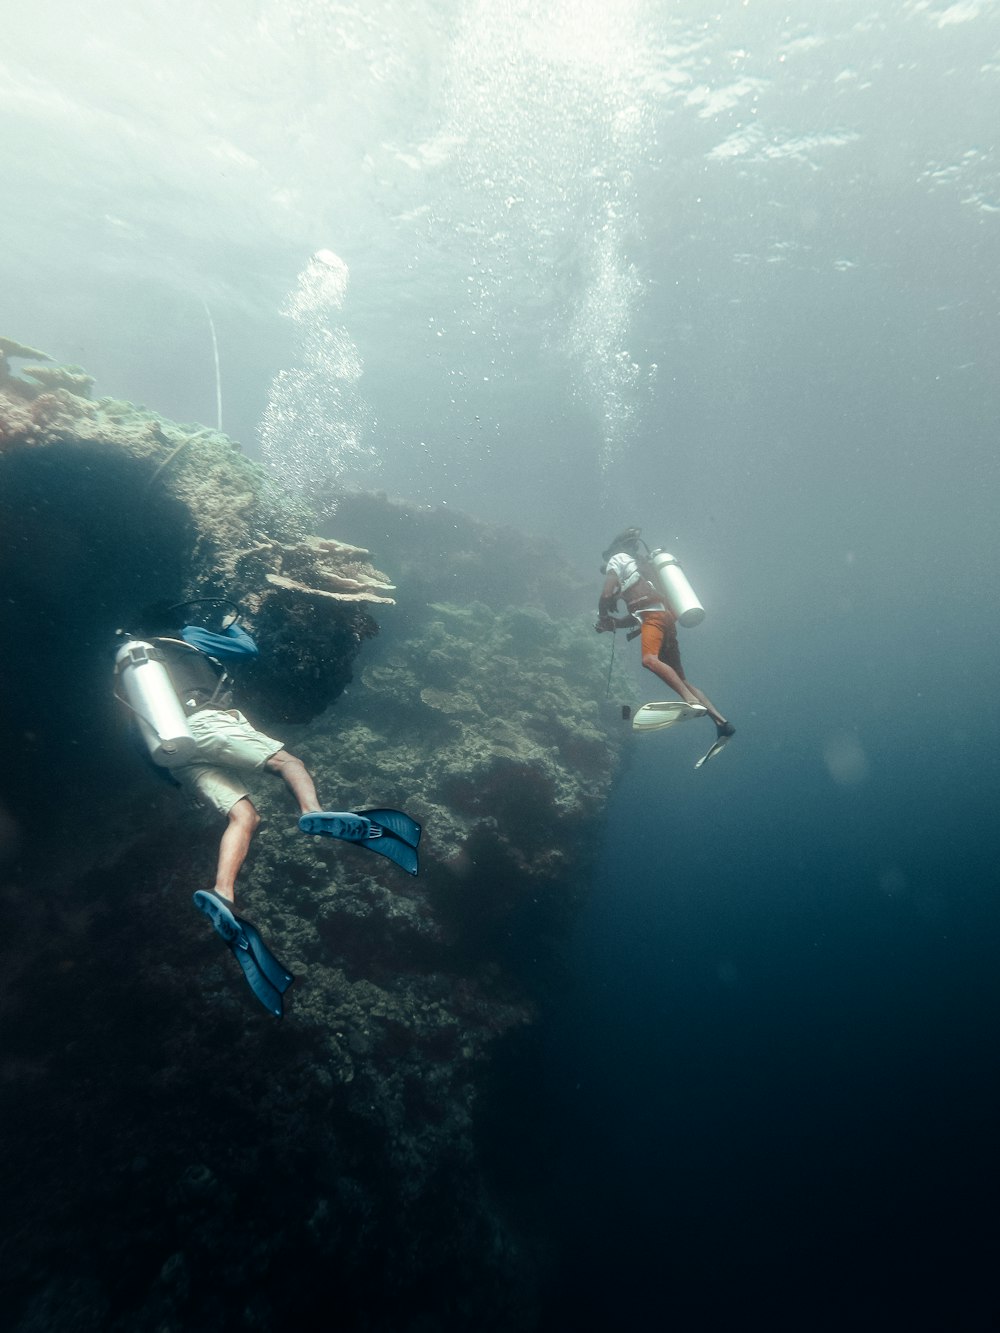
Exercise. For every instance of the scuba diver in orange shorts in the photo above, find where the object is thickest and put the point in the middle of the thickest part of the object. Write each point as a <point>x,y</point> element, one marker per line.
<point>629,577</point>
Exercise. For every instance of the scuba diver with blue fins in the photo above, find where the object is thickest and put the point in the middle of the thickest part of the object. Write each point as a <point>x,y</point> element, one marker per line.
<point>657,597</point>
<point>174,679</point>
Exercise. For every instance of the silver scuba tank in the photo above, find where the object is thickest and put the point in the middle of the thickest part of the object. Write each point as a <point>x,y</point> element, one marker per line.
<point>149,692</point>
<point>678,592</point>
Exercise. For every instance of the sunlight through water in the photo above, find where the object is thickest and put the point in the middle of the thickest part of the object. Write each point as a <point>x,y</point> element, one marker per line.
<point>314,429</point>
<point>552,112</point>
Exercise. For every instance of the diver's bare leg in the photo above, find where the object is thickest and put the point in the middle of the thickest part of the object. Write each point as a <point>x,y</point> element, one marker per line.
<point>243,821</point>
<point>670,677</point>
<point>298,778</point>
<point>713,712</point>
<point>688,692</point>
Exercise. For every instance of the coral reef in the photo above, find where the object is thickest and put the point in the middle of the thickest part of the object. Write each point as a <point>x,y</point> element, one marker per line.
<point>106,508</point>
<point>239,533</point>
<point>176,1159</point>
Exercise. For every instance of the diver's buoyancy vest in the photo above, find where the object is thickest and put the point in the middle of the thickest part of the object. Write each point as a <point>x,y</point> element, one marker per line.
<point>198,679</point>
<point>638,588</point>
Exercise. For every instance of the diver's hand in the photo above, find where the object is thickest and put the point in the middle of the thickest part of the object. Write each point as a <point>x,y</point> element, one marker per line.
<point>605,625</point>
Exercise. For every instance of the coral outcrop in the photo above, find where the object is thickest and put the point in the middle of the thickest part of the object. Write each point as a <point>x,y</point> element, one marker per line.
<point>234,532</point>
<point>107,508</point>
<point>175,1159</point>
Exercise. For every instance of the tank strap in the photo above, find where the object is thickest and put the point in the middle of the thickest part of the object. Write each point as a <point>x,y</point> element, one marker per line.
<point>222,695</point>
<point>142,652</point>
<point>650,602</point>
<point>193,701</point>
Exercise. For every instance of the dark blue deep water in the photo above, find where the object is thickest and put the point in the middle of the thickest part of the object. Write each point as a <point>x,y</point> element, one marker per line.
<point>730,272</point>
<point>776,1078</point>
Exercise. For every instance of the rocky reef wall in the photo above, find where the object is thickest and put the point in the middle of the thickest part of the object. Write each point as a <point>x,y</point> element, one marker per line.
<point>174,1158</point>
<point>106,508</point>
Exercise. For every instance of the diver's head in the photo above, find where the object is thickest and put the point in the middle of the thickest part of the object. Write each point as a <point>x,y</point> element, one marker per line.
<point>627,541</point>
<point>168,617</point>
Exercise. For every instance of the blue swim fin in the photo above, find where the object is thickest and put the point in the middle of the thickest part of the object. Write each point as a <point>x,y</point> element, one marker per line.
<point>395,849</point>
<point>389,832</point>
<point>397,822</point>
<point>269,995</point>
<point>276,972</point>
<point>337,824</point>
<point>266,977</point>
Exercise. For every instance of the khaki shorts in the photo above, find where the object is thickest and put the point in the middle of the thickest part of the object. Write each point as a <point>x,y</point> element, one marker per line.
<point>230,745</point>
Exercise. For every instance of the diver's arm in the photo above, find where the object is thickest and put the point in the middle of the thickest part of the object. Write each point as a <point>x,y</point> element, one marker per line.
<point>241,642</point>
<point>610,594</point>
<point>606,619</point>
<point>232,645</point>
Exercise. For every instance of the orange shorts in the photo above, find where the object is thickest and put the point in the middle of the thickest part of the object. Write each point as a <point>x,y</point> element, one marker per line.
<point>659,637</point>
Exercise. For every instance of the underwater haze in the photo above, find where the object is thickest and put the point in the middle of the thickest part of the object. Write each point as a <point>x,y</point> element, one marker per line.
<point>728,271</point>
